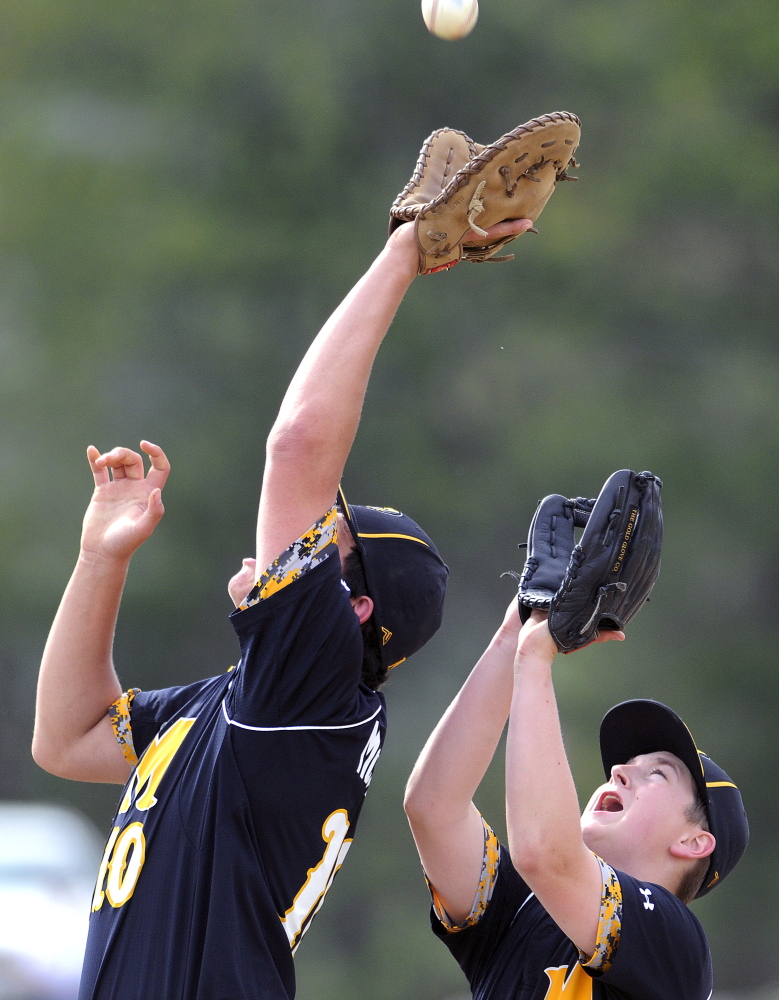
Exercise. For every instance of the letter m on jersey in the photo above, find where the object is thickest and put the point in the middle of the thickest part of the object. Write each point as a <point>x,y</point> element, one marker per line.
<point>565,985</point>
<point>152,766</point>
<point>370,755</point>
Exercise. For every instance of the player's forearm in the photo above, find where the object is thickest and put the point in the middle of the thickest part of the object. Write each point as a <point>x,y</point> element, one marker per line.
<point>325,396</point>
<point>461,747</point>
<point>446,824</point>
<point>317,423</point>
<point>77,682</point>
<point>542,808</point>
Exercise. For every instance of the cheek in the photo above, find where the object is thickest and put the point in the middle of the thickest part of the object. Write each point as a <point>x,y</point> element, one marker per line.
<point>653,817</point>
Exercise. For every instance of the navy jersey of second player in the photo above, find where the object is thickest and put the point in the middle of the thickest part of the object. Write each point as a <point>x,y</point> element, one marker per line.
<point>240,810</point>
<point>517,952</point>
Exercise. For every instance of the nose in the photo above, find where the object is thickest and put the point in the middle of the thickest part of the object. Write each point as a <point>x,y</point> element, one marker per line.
<point>620,775</point>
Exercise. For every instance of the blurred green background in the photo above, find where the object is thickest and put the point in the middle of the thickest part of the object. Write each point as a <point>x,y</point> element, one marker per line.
<point>187,189</point>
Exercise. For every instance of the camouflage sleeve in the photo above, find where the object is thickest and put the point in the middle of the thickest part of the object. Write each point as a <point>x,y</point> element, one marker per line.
<point>119,714</point>
<point>312,548</point>
<point>610,923</point>
<point>489,872</point>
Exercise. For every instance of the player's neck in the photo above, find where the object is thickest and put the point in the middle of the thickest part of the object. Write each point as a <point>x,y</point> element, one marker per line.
<point>666,872</point>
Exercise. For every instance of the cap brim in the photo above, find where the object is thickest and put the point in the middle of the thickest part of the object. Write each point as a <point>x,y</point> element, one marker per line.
<point>644,726</point>
<point>359,545</point>
<point>344,508</point>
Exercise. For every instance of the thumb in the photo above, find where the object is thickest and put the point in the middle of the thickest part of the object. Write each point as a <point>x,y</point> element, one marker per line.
<point>155,507</point>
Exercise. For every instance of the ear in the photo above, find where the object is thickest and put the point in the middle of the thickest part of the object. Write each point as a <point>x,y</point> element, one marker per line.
<point>694,846</point>
<point>363,607</point>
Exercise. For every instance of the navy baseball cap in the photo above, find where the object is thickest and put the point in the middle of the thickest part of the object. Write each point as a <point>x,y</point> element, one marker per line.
<point>405,575</point>
<point>645,726</point>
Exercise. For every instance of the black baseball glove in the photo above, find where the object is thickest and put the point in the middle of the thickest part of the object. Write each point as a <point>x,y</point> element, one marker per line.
<point>603,581</point>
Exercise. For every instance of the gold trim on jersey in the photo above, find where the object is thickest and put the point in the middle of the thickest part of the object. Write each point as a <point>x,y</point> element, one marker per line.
<point>119,714</point>
<point>489,872</point>
<point>308,551</point>
<point>610,922</point>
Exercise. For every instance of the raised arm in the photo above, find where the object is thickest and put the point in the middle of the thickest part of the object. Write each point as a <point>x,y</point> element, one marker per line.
<point>317,422</point>
<point>446,824</point>
<point>77,684</point>
<point>542,807</point>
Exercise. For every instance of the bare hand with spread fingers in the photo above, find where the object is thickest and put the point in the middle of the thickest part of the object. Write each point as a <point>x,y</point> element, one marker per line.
<point>126,505</point>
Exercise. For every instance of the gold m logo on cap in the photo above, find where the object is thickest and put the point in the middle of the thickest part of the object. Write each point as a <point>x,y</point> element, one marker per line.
<point>386,635</point>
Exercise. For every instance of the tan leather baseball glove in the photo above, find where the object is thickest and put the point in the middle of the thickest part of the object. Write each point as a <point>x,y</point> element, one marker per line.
<point>459,187</point>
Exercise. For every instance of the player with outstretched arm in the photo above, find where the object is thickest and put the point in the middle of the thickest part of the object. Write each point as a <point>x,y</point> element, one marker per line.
<point>241,792</point>
<point>573,908</point>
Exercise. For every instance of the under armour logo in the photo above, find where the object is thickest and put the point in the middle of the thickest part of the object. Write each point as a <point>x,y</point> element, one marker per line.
<point>646,893</point>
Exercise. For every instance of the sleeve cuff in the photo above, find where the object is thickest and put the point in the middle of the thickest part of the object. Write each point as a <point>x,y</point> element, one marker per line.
<point>119,714</point>
<point>489,873</point>
<point>610,923</point>
<point>312,548</point>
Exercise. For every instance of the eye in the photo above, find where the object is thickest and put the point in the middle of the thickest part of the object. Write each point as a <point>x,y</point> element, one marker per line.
<point>660,771</point>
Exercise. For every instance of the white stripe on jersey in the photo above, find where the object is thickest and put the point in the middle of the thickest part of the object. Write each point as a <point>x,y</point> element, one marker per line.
<point>285,729</point>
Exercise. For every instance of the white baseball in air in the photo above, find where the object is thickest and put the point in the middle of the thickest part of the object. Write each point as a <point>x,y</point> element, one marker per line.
<point>450,19</point>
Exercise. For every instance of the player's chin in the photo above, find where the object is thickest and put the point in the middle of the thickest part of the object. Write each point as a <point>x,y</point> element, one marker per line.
<point>598,817</point>
<point>597,830</point>
<point>241,584</point>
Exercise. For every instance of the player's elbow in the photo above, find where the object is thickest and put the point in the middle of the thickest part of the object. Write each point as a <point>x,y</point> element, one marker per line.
<point>410,801</point>
<point>531,852</point>
<point>416,800</point>
<point>537,858</point>
<point>46,756</point>
<point>298,438</point>
<point>51,755</point>
<point>423,805</point>
<point>526,860</point>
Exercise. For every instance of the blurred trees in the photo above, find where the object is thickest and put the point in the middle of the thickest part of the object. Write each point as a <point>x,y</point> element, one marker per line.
<point>185,193</point>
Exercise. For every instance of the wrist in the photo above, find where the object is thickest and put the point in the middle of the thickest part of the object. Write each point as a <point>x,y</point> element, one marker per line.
<point>401,248</point>
<point>535,661</point>
<point>104,563</point>
<point>506,637</point>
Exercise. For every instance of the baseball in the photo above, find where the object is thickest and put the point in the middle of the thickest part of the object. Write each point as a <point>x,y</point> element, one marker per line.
<point>450,19</point>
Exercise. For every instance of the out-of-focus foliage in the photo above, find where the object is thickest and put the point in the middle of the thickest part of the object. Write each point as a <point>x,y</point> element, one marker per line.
<point>186,190</point>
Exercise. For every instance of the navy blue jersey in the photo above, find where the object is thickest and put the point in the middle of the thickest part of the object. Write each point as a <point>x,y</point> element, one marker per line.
<point>654,948</point>
<point>241,808</point>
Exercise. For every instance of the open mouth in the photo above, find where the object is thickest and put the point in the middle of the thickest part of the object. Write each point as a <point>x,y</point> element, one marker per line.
<point>609,802</point>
